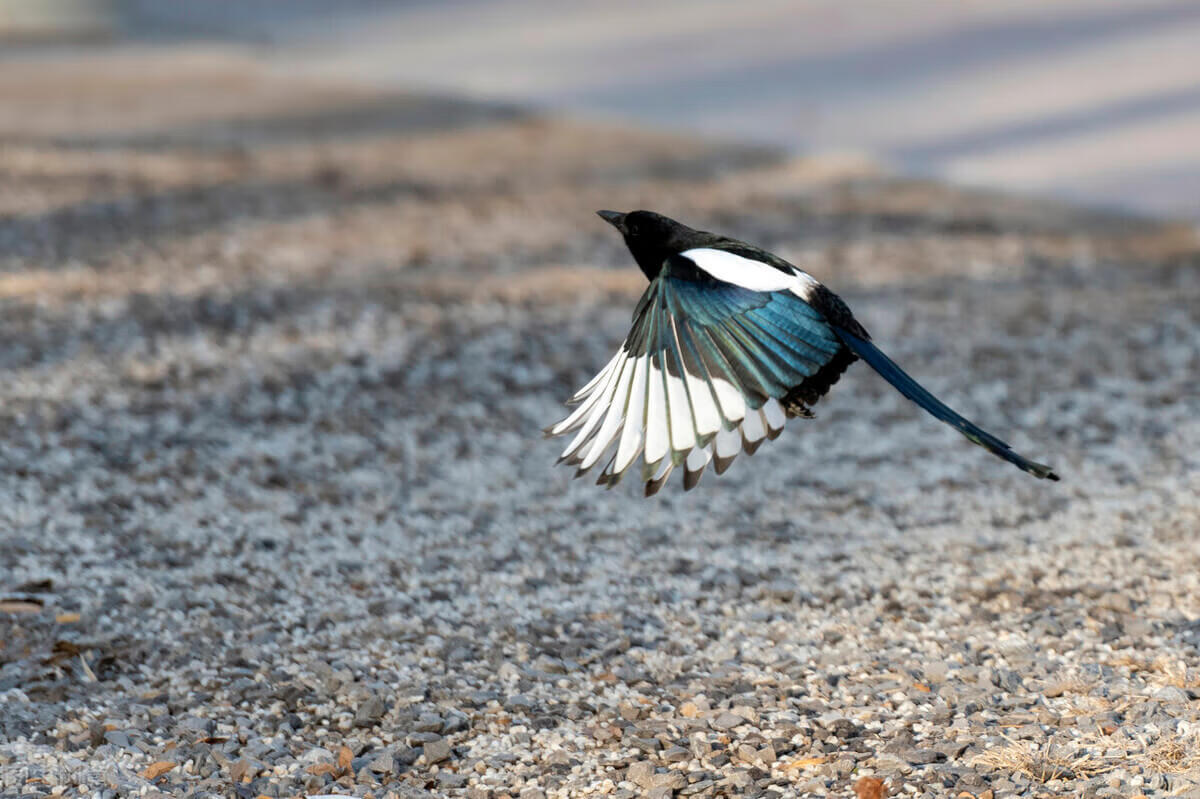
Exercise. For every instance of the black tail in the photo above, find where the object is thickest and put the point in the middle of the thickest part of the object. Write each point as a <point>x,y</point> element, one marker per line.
<point>913,390</point>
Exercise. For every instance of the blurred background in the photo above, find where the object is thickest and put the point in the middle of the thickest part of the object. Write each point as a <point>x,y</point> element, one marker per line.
<point>289,288</point>
<point>1096,101</point>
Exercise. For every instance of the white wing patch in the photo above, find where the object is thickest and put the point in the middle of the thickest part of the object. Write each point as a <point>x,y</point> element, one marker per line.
<point>635,407</point>
<point>750,274</point>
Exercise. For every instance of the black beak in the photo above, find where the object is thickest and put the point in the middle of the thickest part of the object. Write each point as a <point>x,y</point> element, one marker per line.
<point>614,218</point>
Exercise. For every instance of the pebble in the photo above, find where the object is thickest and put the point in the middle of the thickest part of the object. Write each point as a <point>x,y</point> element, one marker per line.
<point>370,712</point>
<point>676,754</point>
<point>429,722</point>
<point>670,780</point>
<point>519,703</point>
<point>696,787</point>
<point>450,779</point>
<point>436,751</point>
<point>640,773</point>
<point>726,721</point>
<point>117,738</point>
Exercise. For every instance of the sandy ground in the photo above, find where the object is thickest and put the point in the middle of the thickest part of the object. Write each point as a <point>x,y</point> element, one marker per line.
<point>276,516</point>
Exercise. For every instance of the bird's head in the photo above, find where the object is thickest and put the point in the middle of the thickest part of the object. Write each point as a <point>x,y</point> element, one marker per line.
<point>651,237</point>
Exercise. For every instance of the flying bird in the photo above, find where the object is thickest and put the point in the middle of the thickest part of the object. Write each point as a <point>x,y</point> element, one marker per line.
<point>728,343</point>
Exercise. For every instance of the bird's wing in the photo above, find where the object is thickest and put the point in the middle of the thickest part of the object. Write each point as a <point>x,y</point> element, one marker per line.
<point>717,342</point>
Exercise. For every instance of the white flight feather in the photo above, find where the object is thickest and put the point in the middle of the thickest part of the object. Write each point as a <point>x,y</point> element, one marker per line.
<point>657,426</point>
<point>612,420</point>
<point>635,419</point>
<point>598,407</point>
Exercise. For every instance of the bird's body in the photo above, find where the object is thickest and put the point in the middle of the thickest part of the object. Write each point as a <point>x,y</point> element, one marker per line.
<point>728,342</point>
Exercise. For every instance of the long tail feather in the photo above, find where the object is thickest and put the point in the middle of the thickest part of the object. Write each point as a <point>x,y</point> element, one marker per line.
<point>915,392</point>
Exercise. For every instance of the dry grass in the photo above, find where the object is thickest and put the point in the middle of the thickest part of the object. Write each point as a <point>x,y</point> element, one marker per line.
<point>1175,754</point>
<point>1068,683</point>
<point>1165,671</point>
<point>1045,762</point>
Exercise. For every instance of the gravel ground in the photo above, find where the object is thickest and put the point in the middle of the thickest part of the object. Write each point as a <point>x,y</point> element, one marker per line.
<point>276,517</point>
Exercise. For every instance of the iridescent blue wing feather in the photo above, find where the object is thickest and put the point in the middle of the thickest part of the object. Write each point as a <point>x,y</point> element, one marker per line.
<point>723,364</point>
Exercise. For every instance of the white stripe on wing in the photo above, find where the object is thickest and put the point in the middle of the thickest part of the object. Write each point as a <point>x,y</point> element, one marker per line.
<point>749,273</point>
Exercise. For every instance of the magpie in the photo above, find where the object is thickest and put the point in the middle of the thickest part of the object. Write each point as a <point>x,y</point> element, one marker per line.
<point>728,343</point>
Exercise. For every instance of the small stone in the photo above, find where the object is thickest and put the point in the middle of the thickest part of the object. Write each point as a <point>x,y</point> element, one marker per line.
<point>451,779</point>
<point>726,721</point>
<point>317,754</point>
<point>406,756</point>
<point>455,721</point>
<point>421,738</point>
<point>640,773</point>
<point>481,698</point>
<point>676,754</point>
<point>242,771</point>
<point>429,722</point>
<point>1055,689</point>
<point>117,738</point>
<point>845,729</point>
<point>519,703</point>
<point>1171,694</point>
<point>689,710</point>
<point>649,745</point>
<point>739,779</point>
<point>196,724</point>
<point>671,780</point>
<point>1006,679</point>
<point>437,751</point>
<point>921,757</point>
<point>533,792</point>
<point>953,750</point>
<point>370,712</point>
<point>697,787</point>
